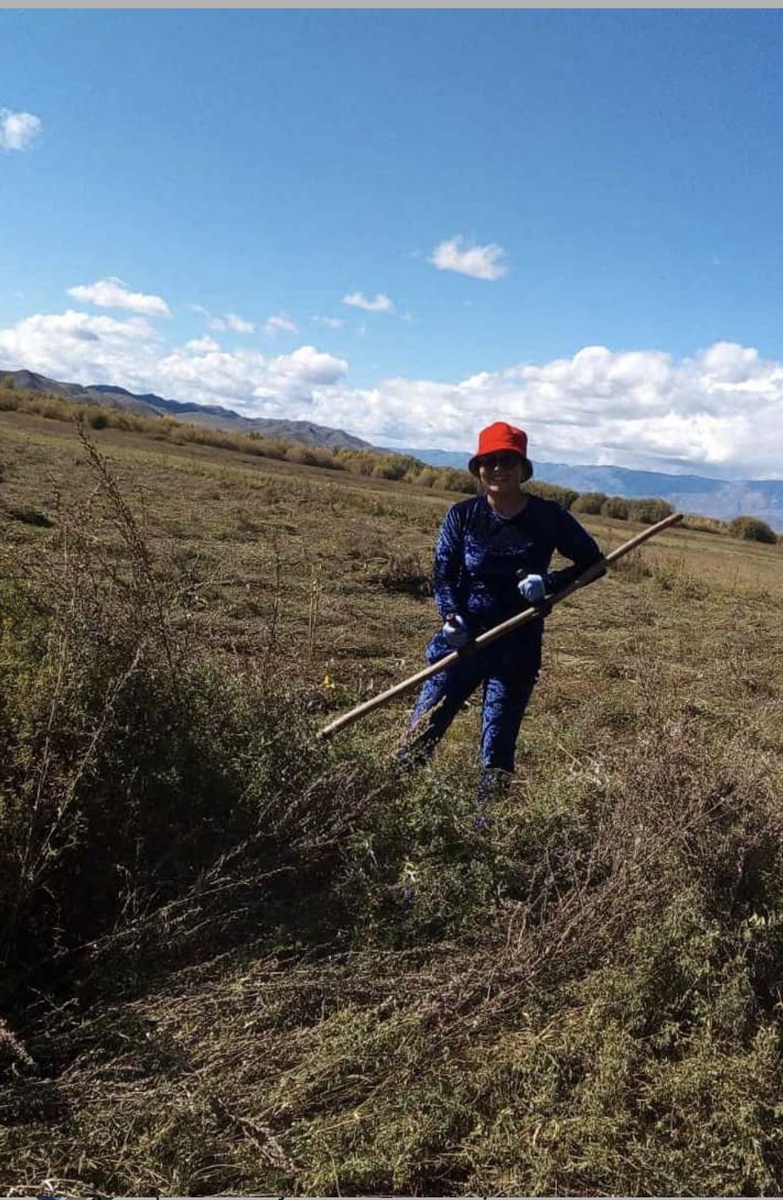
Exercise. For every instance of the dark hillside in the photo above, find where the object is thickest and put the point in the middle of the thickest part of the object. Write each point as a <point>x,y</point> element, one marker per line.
<point>239,960</point>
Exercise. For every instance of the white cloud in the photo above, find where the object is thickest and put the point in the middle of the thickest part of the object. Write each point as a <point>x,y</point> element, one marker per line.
<point>381,303</point>
<point>239,324</point>
<point>81,348</point>
<point>202,345</point>
<point>281,324</point>
<point>480,262</point>
<point>312,365</point>
<point>112,293</point>
<point>330,322</point>
<point>287,385</point>
<point>18,129</point>
<point>221,324</point>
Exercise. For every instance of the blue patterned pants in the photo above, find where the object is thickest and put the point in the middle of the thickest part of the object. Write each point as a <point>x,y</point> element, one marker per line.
<point>507,669</point>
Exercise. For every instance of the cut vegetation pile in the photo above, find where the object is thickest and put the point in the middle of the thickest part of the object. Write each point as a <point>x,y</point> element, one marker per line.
<point>239,960</point>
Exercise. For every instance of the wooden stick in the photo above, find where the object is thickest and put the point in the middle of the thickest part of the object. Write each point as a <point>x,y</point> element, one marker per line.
<point>484,639</point>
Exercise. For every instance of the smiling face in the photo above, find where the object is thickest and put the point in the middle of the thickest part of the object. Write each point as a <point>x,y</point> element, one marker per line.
<point>501,475</point>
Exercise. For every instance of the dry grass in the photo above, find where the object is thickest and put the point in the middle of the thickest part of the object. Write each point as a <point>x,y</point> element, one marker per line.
<point>583,999</point>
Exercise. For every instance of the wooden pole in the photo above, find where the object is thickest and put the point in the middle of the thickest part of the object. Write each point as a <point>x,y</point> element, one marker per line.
<point>484,639</point>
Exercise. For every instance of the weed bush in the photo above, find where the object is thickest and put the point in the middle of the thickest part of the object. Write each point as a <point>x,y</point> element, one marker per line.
<point>452,480</point>
<point>649,511</point>
<point>406,573</point>
<point>705,524</point>
<point>552,491</point>
<point>752,529</point>
<point>615,506</point>
<point>589,502</point>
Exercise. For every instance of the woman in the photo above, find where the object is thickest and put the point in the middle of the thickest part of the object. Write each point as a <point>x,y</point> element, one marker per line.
<point>492,561</point>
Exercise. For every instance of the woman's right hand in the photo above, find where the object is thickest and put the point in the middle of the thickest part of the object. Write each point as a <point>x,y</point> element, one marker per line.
<point>455,631</point>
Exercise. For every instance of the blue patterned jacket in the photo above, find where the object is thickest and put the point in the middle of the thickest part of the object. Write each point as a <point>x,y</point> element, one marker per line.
<point>479,556</point>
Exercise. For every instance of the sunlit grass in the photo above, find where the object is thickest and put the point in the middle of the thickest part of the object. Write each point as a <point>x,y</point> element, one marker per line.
<point>240,960</point>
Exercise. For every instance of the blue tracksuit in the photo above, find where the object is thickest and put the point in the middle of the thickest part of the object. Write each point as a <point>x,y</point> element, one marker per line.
<point>478,559</point>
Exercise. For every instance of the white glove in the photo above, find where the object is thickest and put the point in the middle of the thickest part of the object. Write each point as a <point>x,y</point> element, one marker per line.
<point>533,588</point>
<point>455,631</point>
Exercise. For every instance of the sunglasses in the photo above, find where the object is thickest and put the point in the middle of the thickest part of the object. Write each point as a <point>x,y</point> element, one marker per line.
<point>503,458</point>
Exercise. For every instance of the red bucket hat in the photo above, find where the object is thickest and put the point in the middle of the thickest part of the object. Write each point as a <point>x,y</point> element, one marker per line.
<point>502,436</point>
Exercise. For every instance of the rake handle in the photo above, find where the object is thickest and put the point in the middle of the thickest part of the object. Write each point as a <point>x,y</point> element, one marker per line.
<point>491,635</point>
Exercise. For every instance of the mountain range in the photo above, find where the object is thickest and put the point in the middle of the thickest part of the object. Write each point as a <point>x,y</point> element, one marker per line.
<point>721,498</point>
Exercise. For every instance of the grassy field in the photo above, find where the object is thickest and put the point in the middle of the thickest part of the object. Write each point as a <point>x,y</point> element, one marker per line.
<point>237,959</point>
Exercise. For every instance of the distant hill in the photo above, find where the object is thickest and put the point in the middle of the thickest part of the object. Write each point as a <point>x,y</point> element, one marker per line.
<point>213,416</point>
<point>721,498</point>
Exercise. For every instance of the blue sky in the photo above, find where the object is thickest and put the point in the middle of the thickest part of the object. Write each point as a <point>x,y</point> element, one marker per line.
<point>408,223</point>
